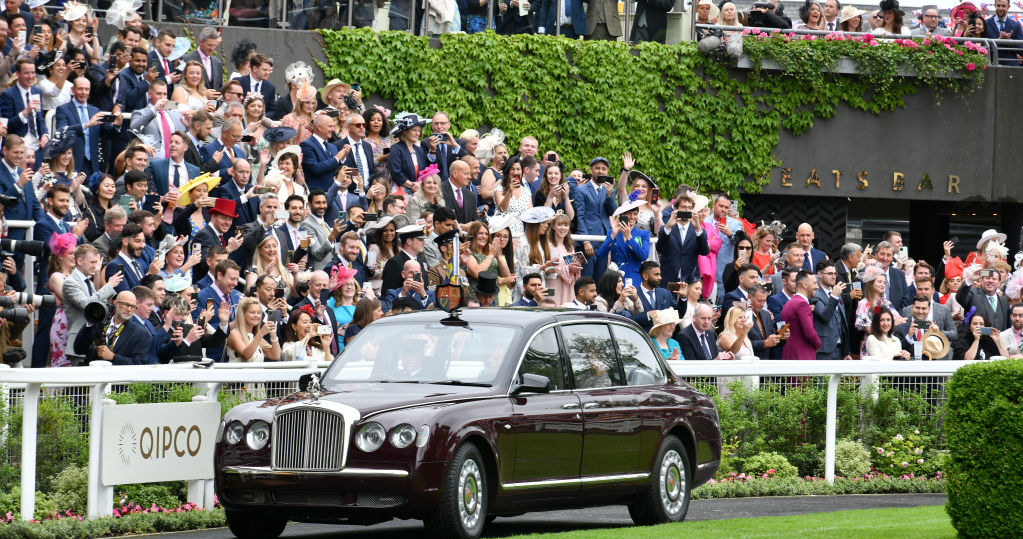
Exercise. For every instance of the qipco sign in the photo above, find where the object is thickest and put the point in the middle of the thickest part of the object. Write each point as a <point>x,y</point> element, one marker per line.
<point>145,443</point>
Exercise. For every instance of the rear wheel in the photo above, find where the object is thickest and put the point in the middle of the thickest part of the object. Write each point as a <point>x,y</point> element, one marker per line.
<point>462,511</point>
<point>667,498</point>
<point>254,526</point>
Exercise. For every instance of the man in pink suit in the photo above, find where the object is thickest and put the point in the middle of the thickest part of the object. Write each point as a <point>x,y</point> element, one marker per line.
<point>803,341</point>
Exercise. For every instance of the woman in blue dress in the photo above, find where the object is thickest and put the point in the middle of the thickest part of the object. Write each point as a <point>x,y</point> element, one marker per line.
<point>344,294</point>
<point>665,322</point>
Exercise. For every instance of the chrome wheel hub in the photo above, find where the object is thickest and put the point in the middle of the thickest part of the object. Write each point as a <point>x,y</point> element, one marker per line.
<point>470,494</point>
<point>672,482</point>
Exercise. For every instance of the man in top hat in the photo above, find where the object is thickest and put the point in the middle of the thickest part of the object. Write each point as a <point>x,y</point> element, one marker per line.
<point>212,67</point>
<point>486,288</point>
<point>413,286</point>
<point>594,203</point>
<point>217,232</point>
<point>412,240</point>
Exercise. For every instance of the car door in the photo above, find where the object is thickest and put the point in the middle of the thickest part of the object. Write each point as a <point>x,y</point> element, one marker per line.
<point>546,429</point>
<point>645,377</point>
<point>612,430</point>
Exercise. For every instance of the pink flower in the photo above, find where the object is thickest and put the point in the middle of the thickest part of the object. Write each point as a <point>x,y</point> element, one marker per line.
<point>905,464</point>
<point>970,66</point>
<point>880,451</point>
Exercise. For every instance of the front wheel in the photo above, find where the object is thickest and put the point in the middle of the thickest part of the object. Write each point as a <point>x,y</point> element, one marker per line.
<point>254,526</point>
<point>462,511</point>
<point>667,498</point>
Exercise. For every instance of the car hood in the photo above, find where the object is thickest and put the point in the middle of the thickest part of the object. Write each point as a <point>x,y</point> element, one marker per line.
<point>370,398</point>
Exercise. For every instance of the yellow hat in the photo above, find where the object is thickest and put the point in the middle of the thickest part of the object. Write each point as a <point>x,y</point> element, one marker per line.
<point>185,190</point>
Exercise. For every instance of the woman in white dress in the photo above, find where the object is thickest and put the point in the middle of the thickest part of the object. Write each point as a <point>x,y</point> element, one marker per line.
<point>191,92</point>
<point>735,337</point>
<point>246,343</point>
<point>54,86</point>
<point>512,195</point>
<point>302,342</point>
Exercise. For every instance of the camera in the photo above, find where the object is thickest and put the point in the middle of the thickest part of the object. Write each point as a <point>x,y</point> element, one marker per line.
<point>333,113</point>
<point>8,201</point>
<point>33,248</point>
<point>97,311</point>
<point>25,298</point>
<point>17,315</point>
<point>247,139</point>
<point>604,179</point>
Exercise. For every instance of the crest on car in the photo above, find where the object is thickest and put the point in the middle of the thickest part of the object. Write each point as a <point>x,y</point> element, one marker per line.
<point>449,296</point>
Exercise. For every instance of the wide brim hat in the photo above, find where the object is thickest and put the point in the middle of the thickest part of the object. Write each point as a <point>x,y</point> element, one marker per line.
<point>962,10</point>
<point>714,9</point>
<point>629,206</point>
<point>849,12</point>
<point>280,134</point>
<point>500,222</point>
<point>297,150</point>
<point>486,284</point>
<point>663,317</point>
<point>181,48</point>
<point>224,206</point>
<point>334,83</point>
<point>890,5</point>
<point>990,234</point>
<point>46,60</point>
<point>637,175</point>
<point>405,121</point>
<point>176,283</point>
<point>72,10</point>
<point>379,224</point>
<point>32,4</point>
<point>185,191</point>
<point>537,214</point>
<point>935,344</point>
<point>699,203</point>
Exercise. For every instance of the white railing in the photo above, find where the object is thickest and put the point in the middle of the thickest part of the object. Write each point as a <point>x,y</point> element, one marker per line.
<point>99,376</point>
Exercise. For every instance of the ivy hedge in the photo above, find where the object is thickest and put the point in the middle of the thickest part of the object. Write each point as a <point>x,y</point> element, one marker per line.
<point>685,116</point>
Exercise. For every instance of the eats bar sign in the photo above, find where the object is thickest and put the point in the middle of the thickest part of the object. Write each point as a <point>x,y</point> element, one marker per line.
<point>145,443</point>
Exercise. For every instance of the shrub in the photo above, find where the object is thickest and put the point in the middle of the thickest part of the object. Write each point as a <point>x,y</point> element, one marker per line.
<point>808,460</point>
<point>61,441</point>
<point>148,494</point>
<point>985,443</point>
<point>737,487</point>
<point>10,502</point>
<point>763,463</point>
<point>70,489</point>
<point>851,459</point>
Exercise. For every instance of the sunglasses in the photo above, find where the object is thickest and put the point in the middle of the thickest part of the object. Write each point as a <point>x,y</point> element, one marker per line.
<point>358,125</point>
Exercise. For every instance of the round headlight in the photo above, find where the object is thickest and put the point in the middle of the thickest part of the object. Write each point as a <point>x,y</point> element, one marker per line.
<point>258,435</point>
<point>402,436</point>
<point>370,437</point>
<point>424,435</point>
<point>234,432</point>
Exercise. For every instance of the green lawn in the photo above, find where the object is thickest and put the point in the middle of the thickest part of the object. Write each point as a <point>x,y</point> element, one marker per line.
<point>929,522</point>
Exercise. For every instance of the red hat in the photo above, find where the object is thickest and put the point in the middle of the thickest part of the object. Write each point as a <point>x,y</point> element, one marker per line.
<point>953,268</point>
<point>962,10</point>
<point>224,206</point>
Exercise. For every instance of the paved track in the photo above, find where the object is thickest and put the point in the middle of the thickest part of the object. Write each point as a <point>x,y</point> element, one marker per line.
<point>605,517</point>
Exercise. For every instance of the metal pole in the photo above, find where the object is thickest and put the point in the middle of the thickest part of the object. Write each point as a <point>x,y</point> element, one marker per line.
<point>559,6</point>
<point>829,436</point>
<point>490,14</point>
<point>159,11</point>
<point>412,14</point>
<point>351,9</point>
<point>29,423</point>
<point>627,31</point>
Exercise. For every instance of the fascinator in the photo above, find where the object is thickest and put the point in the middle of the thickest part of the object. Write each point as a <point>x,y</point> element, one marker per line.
<point>62,244</point>
<point>298,72</point>
<point>122,11</point>
<point>72,10</point>
<point>485,147</point>
<point>340,275</point>
<point>954,268</point>
<point>427,172</point>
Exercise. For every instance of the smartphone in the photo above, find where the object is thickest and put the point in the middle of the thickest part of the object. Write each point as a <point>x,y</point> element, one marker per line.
<point>442,136</point>
<point>683,215</point>
<point>857,285</point>
<point>279,292</point>
<point>921,324</point>
<point>22,35</point>
<point>108,118</point>
<point>655,195</point>
<point>273,316</point>
<point>247,139</point>
<point>333,113</point>
<point>417,277</point>
<point>985,331</point>
<point>628,282</point>
<point>674,287</point>
<point>209,303</point>
<point>196,249</point>
<point>903,252</point>
<point>238,232</point>
<point>623,219</point>
<point>604,179</point>
<point>261,190</point>
<point>549,292</point>
<point>323,330</point>
<point>355,87</point>
<point>178,324</point>
<point>954,240</point>
<point>126,200</point>
<point>387,150</point>
<point>552,157</point>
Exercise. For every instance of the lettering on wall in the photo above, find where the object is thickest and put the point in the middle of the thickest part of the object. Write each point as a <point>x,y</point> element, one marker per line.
<point>863,184</point>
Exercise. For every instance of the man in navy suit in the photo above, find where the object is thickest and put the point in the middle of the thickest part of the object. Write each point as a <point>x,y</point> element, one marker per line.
<point>321,159</point>
<point>458,195</point>
<point>829,314</point>
<point>161,349</point>
<point>173,171</point>
<point>444,147</point>
<point>811,255</point>
<point>132,242</point>
<point>594,203</point>
<point>340,197</point>
<point>412,285</point>
<point>24,120</point>
<point>221,289</point>
<point>225,150</point>
<point>16,182</point>
<point>764,333</point>
<point>697,340</point>
<point>785,292</point>
<point>212,67</point>
<point>532,291</point>
<point>1000,26</point>
<point>895,289</point>
<point>361,155</point>
<point>235,186</point>
<point>86,120</point>
<point>260,68</point>
<point>679,244</point>
<point>133,82</point>
<point>652,296</point>
<point>165,68</point>
<point>124,342</point>
<point>549,18</point>
<point>353,255</point>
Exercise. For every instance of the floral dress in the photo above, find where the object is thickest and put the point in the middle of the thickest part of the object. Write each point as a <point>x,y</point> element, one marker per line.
<point>58,338</point>
<point>516,206</point>
<point>378,149</point>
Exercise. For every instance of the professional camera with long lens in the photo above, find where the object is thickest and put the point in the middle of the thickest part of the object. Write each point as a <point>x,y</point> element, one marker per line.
<point>33,248</point>
<point>8,202</point>
<point>25,298</point>
<point>97,312</point>
<point>17,315</point>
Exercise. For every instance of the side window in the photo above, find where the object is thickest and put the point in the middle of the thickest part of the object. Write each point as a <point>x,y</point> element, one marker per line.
<point>641,366</point>
<point>592,354</point>
<point>544,358</point>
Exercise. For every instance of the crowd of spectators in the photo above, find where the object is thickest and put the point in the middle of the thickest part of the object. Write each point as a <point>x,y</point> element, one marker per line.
<point>184,214</point>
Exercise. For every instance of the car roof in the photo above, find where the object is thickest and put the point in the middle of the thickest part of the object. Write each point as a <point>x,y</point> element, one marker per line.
<point>524,317</point>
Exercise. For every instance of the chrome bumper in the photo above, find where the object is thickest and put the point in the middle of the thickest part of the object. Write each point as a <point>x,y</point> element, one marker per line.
<point>266,471</point>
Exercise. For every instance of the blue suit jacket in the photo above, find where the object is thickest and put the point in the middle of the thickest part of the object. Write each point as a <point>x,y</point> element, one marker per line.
<point>130,279</point>
<point>268,91</point>
<point>131,92</point>
<point>775,303</point>
<point>319,166</point>
<point>524,302</point>
<point>206,238</point>
<point>548,13</point>
<point>158,170</point>
<point>132,346</point>
<point>830,324</point>
<point>28,207</point>
<point>247,212</point>
<point>207,151</point>
<point>1012,26</point>
<point>679,255</point>
<point>67,116</point>
<point>366,157</point>
<point>161,349</point>
<point>444,157</point>
<point>45,228</point>
<point>628,255</point>
<point>154,61</point>
<point>334,195</point>
<point>691,347</point>
<point>811,259</point>
<point>208,293</point>
<point>730,298</point>
<point>593,208</point>
<point>757,338</point>
<point>12,104</point>
<point>663,299</point>
<point>898,292</point>
<point>399,164</point>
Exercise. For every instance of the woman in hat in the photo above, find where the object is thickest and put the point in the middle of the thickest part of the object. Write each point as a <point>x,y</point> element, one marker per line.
<point>59,168</point>
<point>811,15</point>
<point>344,294</point>
<point>735,336</point>
<point>512,195</point>
<point>367,311</point>
<point>247,342</point>
<point>554,191</point>
<point>193,204</point>
<point>301,340</point>
<point>54,86</point>
<point>82,30</point>
<point>873,279</point>
<point>267,261</point>
<point>190,90</point>
<point>61,264</point>
<point>240,58</point>
<point>382,237</point>
<point>642,188</point>
<point>628,246</point>
<point>664,323</point>
<point>103,190</point>
<point>990,248</point>
<point>960,16</point>
<point>407,156</point>
<point>613,296</point>
<point>850,19</point>
<point>950,285</point>
<point>427,196</point>
<point>479,254</point>
<point>892,15</point>
<point>301,116</point>
<point>378,132</point>
<point>560,246</point>
<point>175,262</point>
<point>531,254</point>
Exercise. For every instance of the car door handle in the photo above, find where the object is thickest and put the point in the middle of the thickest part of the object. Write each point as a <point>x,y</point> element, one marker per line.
<point>590,405</point>
<point>571,406</point>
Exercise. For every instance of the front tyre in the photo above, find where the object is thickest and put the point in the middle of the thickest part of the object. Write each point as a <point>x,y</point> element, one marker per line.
<point>254,526</point>
<point>667,498</point>
<point>462,511</point>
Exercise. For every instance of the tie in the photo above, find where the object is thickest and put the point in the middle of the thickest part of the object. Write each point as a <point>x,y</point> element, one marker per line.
<point>166,68</point>
<point>88,285</point>
<point>110,333</point>
<point>166,130</point>
<point>831,26</point>
<point>208,67</point>
<point>358,162</point>
<point>650,296</point>
<point>32,119</point>
<point>177,175</point>
<point>706,347</point>
<point>84,115</point>
<point>458,197</point>
<point>256,89</point>
<point>223,241</point>
<point>62,226</point>
<point>994,303</point>
<point>138,268</point>
<point>806,261</point>
<point>760,324</point>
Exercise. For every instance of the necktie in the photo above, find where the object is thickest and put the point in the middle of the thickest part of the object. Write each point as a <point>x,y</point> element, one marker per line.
<point>223,241</point>
<point>650,296</point>
<point>256,89</point>
<point>138,268</point>
<point>760,324</point>
<point>831,26</point>
<point>706,347</point>
<point>994,303</point>
<point>207,66</point>
<point>84,115</point>
<point>458,197</point>
<point>88,285</point>
<point>32,117</point>
<point>165,129</point>
<point>62,226</point>
<point>358,162</point>
<point>110,333</point>
<point>177,175</point>
<point>166,68</point>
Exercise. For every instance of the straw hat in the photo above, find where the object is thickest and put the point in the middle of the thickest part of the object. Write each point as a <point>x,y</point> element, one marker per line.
<point>849,12</point>
<point>990,234</point>
<point>297,150</point>
<point>663,317</point>
<point>186,190</point>
<point>935,345</point>
<point>714,11</point>
<point>334,83</point>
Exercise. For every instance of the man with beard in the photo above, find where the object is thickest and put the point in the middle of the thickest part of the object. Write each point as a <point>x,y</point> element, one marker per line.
<point>324,236</point>
<point>130,246</point>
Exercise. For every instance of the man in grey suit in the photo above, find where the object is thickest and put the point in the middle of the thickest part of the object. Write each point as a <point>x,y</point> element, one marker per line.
<point>986,299</point>
<point>79,291</point>
<point>929,23</point>
<point>159,120</point>
<point>212,67</point>
<point>323,247</point>
<point>829,314</point>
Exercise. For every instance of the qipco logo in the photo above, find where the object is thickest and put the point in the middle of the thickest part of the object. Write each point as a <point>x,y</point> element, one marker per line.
<point>162,442</point>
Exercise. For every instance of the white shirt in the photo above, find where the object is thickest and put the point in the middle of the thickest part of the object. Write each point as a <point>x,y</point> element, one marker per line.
<point>182,172</point>
<point>360,163</point>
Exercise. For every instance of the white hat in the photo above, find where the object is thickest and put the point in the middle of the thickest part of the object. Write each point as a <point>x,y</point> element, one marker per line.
<point>72,10</point>
<point>699,202</point>
<point>537,214</point>
<point>181,47</point>
<point>714,11</point>
<point>297,150</point>
<point>991,234</point>
<point>411,231</point>
<point>629,206</point>
<point>500,222</point>
<point>32,4</point>
<point>663,317</point>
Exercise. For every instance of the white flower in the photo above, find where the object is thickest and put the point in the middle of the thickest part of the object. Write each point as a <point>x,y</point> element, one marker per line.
<point>919,451</point>
<point>905,464</point>
<point>898,437</point>
<point>916,431</point>
<point>919,461</point>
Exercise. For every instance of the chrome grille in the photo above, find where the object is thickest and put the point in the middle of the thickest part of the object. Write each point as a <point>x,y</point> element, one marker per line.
<point>308,439</point>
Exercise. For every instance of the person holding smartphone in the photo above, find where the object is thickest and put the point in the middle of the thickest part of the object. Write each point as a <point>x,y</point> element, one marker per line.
<point>512,194</point>
<point>680,243</point>
<point>304,339</point>
<point>245,343</point>
<point>978,340</point>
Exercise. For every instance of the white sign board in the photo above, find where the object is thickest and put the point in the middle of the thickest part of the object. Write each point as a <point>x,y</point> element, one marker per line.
<point>147,443</point>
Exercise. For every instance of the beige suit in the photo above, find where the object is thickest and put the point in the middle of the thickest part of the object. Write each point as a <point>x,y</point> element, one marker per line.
<point>605,11</point>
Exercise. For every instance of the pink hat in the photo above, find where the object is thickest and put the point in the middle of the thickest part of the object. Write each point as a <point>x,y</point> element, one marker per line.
<point>62,244</point>
<point>340,275</point>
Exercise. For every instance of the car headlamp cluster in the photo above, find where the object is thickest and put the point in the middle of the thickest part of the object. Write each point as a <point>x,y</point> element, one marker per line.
<point>372,436</point>
<point>256,436</point>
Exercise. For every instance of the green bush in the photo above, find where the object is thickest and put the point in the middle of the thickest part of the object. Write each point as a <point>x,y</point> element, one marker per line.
<point>795,486</point>
<point>143,523</point>
<point>10,502</point>
<point>985,443</point>
<point>70,489</point>
<point>759,464</point>
<point>851,459</point>
<point>146,494</point>
<point>61,440</point>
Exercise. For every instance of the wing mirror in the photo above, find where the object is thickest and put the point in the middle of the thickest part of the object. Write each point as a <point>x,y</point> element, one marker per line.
<point>532,383</point>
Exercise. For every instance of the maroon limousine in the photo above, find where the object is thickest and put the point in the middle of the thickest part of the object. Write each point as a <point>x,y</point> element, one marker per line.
<point>456,420</point>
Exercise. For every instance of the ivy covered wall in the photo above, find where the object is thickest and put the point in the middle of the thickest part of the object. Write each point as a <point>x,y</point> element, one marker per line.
<point>684,115</point>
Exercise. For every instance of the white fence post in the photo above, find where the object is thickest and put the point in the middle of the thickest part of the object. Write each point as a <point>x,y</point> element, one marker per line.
<point>29,423</point>
<point>830,427</point>
<point>96,493</point>
<point>197,487</point>
<point>5,405</point>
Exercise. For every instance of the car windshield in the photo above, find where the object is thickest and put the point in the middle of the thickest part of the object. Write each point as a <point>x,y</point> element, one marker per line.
<point>424,353</point>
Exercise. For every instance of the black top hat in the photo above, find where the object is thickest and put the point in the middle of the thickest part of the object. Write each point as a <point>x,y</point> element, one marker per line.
<point>487,283</point>
<point>890,5</point>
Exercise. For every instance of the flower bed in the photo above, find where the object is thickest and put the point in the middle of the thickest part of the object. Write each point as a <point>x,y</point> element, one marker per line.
<point>742,485</point>
<point>126,521</point>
